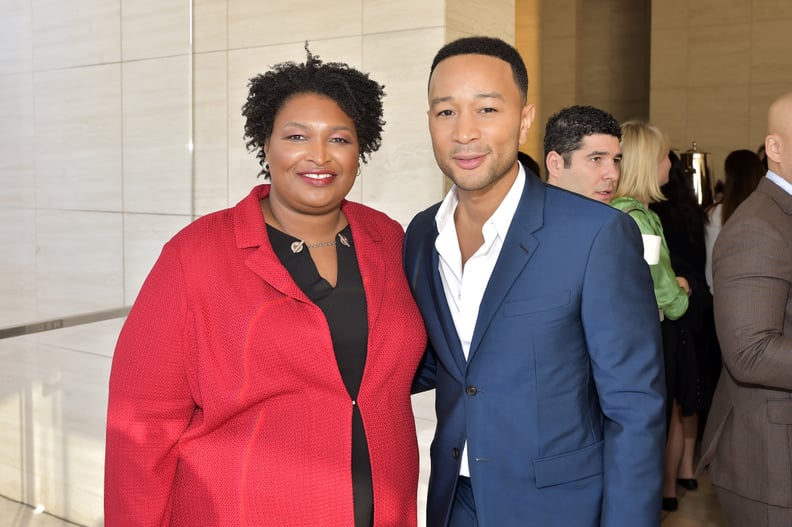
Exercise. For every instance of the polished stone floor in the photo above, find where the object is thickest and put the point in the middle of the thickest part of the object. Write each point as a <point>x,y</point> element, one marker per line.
<point>696,509</point>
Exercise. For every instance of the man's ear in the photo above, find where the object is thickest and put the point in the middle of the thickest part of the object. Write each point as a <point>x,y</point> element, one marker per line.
<point>526,119</point>
<point>773,148</point>
<point>554,163</point>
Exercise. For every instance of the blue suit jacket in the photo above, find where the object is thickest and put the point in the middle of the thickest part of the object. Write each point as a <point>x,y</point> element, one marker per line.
<point>561,399</point>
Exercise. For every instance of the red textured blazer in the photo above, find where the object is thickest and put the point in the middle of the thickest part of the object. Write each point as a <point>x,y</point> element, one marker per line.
<point>226,403</point>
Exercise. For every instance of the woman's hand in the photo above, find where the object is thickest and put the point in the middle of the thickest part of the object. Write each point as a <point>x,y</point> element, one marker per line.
<point>683,283</point>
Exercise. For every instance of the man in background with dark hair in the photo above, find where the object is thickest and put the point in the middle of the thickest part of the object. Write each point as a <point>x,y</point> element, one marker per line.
<point>582,152</point>
<point>542,323</point>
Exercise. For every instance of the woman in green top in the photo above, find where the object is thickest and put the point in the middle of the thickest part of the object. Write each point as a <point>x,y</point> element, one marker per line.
<point>644,169</point>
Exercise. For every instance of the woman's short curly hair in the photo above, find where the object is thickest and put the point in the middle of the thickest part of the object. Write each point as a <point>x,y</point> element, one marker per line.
<point>355,93</point>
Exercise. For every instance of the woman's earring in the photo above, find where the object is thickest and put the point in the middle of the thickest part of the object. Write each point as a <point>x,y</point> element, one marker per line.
<point>265,169</point>
<point>358,172</point>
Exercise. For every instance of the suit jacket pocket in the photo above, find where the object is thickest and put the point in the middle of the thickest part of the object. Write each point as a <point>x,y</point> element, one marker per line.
<point>535,304</point>
<point>572,466</point>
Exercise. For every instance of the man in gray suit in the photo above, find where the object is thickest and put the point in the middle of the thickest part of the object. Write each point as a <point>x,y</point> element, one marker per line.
<point>748,439</point>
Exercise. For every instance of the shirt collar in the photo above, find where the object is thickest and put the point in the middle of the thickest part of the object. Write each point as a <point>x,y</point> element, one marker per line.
<point>781,182</point>
<point>503,215</point>
<point>501,218</point>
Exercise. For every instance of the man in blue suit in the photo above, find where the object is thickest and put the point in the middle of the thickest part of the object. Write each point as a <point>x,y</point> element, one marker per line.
<point>544,332</point>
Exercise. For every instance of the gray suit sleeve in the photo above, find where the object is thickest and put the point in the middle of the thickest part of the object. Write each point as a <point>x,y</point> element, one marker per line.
<point>752,269</point>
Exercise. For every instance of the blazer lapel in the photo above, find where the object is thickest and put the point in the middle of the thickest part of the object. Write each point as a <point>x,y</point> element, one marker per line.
<point>265,263</point>
<point>251,233</point>
<point>428,290</point>
<point>518,247</point>
<point>445,319</point>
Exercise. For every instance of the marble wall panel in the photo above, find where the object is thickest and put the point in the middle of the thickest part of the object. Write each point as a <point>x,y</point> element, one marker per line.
<point>668,110</point>
<point>16,413</point>
<point>771,10</point>
<point>719,55</point>
<point>97,338</point>
<point>144,236</point>
<point>53,404</point>
<point>669,58</point>
<point>718,120</point>
<point>17,267</point>
<point>627,110</point>
<point>252,23</point>
<point>559,66</point>
<point>78,138</point>
<point>528,41</point>
<point>402,178</point>
<point>68,34</point>
<point>593,82</point>
<point>16,36</point>
<point>482,17</point>
<point>558,19</point>
<point>210,132</point>
<point>79,262</point>
<point>157,125</point>
<point>380,16</point>
<point>210,25</point>
<point>714,12</point>
<point>59,425</point>
<point>155,28</point>
<point>737,59</point>
<point>670,14</point>
<point>17,140</point>
<point>771,52</point>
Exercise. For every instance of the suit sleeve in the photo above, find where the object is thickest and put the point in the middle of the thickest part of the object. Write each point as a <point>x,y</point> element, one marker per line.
<point>150,402</point>
<point>622,330</point>
<point>752,291</point>
<point>426,375</point>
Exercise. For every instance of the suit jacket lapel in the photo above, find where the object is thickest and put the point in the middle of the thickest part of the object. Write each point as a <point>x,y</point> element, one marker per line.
<point>444,314</point>
<point>431,297</point>
<point>518,247</point>
<point>251,233</point>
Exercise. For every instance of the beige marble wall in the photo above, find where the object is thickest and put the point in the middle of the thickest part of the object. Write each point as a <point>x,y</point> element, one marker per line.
<point>592,52</point>
<point>527,38</point>
<point>119,124</point>
<point>716,66</point>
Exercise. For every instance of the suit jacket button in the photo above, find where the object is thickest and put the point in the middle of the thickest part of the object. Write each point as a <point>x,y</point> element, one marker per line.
<point>455,453</point>
<point>471,390</point>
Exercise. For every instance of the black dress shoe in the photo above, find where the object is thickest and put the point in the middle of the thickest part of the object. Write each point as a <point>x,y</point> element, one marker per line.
<point>670,504</point>
<point>688,483</point>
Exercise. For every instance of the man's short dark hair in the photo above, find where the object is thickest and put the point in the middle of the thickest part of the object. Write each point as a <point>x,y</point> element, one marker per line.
<point>493,47</point>
<point>566,129</point>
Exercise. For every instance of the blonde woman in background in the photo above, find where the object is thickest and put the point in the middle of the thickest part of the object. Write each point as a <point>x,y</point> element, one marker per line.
<point>644,169</point>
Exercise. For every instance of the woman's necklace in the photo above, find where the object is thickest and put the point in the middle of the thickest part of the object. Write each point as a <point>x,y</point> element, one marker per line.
<point>299,245</point>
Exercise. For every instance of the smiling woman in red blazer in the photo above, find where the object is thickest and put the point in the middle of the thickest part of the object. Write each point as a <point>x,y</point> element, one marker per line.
<point>263,375</point>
